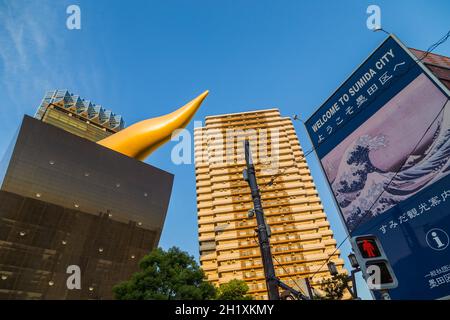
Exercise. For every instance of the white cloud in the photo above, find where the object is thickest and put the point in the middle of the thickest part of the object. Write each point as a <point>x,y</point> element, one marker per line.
<point>24,37</point>
<point>28,33</point>
<point>24,43</point>
<point>38,53</point>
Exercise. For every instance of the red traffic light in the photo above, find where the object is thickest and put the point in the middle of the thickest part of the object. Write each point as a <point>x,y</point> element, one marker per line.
<point>368,247</point>
<point>374,263</point>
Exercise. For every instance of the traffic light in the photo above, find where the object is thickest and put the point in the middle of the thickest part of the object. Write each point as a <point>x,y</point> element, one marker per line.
<point>386,277</point>
<point>374,263</point>
<point>368,247</point>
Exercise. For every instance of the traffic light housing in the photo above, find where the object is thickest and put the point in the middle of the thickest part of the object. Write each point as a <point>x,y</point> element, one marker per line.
<point>372,260</point>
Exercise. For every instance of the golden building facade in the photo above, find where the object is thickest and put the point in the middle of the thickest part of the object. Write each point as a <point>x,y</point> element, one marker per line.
<point>301,238</point>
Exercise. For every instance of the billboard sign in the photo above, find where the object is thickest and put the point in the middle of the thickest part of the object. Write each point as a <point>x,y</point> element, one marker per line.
<point>383,141</point>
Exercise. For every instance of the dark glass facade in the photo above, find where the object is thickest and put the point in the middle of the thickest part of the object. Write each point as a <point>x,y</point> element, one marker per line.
<point>67,201</point>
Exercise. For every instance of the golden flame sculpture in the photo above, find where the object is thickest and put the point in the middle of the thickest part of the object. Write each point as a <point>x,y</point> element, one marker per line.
<point>141,139</point>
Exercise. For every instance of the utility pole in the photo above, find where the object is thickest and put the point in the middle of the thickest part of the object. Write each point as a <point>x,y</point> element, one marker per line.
<point>272,282</point>
<point>263,236</point>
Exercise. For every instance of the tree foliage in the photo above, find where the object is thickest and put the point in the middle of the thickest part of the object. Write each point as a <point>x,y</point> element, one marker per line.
<point>166,275</point>
<point>334,288</point>
<point>233,290</point>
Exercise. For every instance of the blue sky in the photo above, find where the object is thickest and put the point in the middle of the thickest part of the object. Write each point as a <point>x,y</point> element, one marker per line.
<point>145,58</point>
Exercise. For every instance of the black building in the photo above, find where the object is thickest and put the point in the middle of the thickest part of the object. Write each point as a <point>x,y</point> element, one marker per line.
<point>64,201</point>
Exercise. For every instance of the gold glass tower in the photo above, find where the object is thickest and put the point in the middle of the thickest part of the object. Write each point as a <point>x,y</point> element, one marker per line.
<point>301,237</point>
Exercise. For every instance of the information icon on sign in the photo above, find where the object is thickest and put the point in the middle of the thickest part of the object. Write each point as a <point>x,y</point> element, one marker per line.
<point>437,239</point>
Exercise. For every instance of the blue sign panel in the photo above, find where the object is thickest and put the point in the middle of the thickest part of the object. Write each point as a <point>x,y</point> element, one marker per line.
<point>383,140</point>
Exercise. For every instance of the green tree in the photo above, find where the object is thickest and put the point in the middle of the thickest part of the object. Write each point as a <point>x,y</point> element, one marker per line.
<point>166,275</point>
<point>334,288</point>
<point>233,290</point>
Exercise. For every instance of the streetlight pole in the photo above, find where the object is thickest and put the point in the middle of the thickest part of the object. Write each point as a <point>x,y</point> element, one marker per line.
<point>355,268</point>
<point>334,272</point>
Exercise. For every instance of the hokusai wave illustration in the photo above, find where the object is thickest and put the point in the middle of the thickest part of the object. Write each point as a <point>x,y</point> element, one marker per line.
<point>359,183</point>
